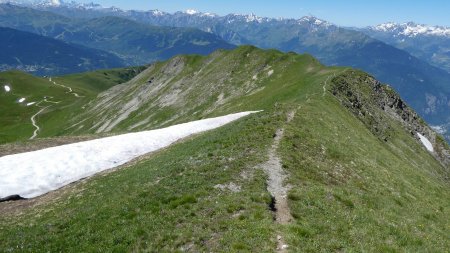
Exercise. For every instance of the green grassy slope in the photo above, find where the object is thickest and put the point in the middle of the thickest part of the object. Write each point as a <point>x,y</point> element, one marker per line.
<point>351,190</point>
<point>15,119</point>
<point>354,192</point>
<point>97,81</point>
<point>15,122</point>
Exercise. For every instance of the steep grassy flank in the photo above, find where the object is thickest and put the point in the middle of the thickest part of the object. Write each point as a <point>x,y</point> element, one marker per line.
<point>354,192</point>
<point>192,87</point>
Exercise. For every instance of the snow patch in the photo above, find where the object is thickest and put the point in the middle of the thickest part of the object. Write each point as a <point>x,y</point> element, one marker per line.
<point>157,13</point>
<point>31,103</point>
<point>21,100</point>
<point>208,14</point>
<point>191,12</point>
<point>411,29</point>
<point>35,173</point>
<point>426,142</point>
<point>270,72</point>
<point>7,88</point>
<point>314,21</point>
<point>253,18</point>
<point>55,2</point>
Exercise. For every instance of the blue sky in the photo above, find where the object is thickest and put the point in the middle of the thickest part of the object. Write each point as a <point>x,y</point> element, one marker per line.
<point>341,12</point>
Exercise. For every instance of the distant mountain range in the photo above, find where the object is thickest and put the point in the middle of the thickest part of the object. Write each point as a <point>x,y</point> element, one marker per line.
<point>424,87</point>
<point>133,42</point>
<point>46,56</point>
<point>430,43</point>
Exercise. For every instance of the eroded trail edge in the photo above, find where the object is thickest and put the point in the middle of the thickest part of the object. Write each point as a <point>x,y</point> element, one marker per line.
<point>275,184</point>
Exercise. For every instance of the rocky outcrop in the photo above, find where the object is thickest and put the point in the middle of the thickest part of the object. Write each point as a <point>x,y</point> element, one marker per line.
<point>11,198</point>
<point>375,104</point>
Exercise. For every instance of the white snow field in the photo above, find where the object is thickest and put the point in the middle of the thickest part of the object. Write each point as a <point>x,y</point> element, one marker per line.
<point>7,88</point>
<point>426,142</point>
<point>35,173</point>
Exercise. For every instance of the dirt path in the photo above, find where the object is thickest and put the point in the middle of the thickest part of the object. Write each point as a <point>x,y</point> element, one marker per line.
<point>33,118</point>
<point>328,79</point>
<point>66,87</point>
<point>46,100</point>
<point>275,184</point>
<point>33,121</point>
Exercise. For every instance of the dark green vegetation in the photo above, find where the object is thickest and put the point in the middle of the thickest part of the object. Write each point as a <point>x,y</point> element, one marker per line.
<point>134,42</point>
<point>352,189</point>
<point>43,56</point>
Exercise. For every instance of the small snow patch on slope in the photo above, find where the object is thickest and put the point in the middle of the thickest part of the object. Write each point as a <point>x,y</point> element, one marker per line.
<point>7,88</point>
<point>35,173</point>
<point>21,100</point>
<point>426,142</point>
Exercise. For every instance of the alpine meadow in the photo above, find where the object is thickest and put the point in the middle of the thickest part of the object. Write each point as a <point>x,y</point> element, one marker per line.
<point>149,131</point>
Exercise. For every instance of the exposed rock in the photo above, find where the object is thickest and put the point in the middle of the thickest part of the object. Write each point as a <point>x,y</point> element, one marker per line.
<point>366,98</point>
<point>11,198</point>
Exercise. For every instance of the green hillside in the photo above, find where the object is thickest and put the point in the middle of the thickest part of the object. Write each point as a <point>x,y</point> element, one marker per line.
<point>356,177</point>
<point>15,123</point>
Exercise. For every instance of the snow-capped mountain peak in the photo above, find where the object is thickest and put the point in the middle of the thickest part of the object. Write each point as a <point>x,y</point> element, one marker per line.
<point>157,13</point>
<point>52,4</point>
<point>411,29</point>
<point>314,21</point>
<point>191,11</point>
<point>252,17</point>
<point>55,2</point>
<point>248,18</point>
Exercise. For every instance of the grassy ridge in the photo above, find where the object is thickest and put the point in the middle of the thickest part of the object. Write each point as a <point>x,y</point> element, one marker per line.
<point>97,81</point>
<point>192,87</point>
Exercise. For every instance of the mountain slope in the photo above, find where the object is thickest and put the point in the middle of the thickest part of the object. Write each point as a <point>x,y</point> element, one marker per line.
<point>349,186</point>
<point>140,43</point>
<point>45,56</point>
<point>431,43</point>
<point>423,86</point>
<point>135,43</point>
